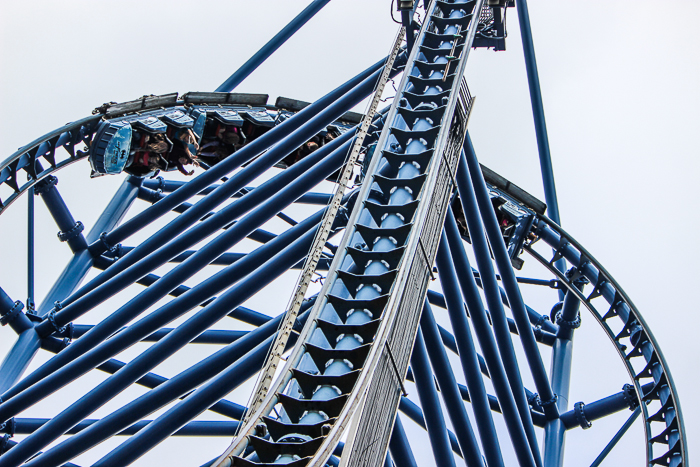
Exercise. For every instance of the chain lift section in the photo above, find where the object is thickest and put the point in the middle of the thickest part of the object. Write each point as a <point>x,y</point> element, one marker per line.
<point>320,239</point>
<point>347,368</point>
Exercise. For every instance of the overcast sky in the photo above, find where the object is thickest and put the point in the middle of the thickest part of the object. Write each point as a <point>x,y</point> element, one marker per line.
<point>619,82</point>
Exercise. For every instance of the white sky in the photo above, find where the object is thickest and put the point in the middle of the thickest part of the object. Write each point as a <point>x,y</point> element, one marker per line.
<point>619,80</point>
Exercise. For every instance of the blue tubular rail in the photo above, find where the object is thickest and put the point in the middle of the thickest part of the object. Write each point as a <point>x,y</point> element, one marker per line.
<point>450,392</point>
<point>268,49</point>
<point>635,343</point>
<point>27,392</point>
<point>157,353</point>
<point>533,79</point>
<point>399,447</point>
<point>432,412</point>
<point>175,277</point>
<point>493,300</point>
<point>510,284</point>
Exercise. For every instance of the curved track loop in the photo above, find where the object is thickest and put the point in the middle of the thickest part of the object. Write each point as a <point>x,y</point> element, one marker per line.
<point>27,160</point>
<point>635,343</point>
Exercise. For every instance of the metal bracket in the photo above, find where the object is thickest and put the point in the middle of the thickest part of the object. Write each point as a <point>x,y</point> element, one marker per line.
<point>630,396</point>
<point>581,415</point>
<point>43,186</point>
<point>11,315</point>
<point>72,232</point>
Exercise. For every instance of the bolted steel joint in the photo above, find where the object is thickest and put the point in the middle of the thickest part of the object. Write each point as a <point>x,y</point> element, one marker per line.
<point>534,401</point>
<point>630,396</point>
<point>51,318</point>
<point>12,315</point>
<point>45,185</point>
<point>556,309</point>
<point>549,402</point>
<point>5,444</point>
<point>8,428</point>
<point>571,324</point>
<point>73,232</point>
<point>581,415</point>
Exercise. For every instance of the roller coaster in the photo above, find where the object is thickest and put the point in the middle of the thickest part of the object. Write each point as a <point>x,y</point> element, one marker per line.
<point>398,316</point>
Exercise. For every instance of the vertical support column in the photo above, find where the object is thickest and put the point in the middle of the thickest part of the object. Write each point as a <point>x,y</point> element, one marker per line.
<point>568,320</point>
<point>30,250</point>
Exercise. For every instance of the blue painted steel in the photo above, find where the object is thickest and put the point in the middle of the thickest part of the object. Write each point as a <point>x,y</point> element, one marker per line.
<point>168,186</point>
<point>399,447</point>
<point>44,381</point>
<point>273,44</point>
<point>453,400</point>
<point>30,250</point>
<point>533,79</point>
<point>70,231</point>
<point>285,187</point>
<point>510,284</point>
<point>432,412</point>
<point>186,410</point>
<point>155,354</point>
<point>28,343</point>
<point>411,409</point>
<point>25,426</point>
<point>562,356</point>
<point>236,358</point>
<point>593,411</point>
<point>618,436</point>
<point>229,164</point>
<point>227,189</point>
<point>493,299</point>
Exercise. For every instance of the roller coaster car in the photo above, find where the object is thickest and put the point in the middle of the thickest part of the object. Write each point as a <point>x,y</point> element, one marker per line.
<point>164,133</point>
<point>145,144</point>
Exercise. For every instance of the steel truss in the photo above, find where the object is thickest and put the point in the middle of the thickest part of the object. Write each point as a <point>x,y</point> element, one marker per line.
<point>377,324</point>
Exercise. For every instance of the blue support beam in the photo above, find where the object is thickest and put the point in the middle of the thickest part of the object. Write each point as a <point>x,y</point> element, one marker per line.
<point>432,412</point>
<point>238,359</point>
<point>399,446</point>
<point>29,342</point>
<point>273,44</point>
<point>278,193</point>
<point>313,119</point>
<point>498,316</point>
<point>533,79</point>
<point>412,411</point>
<point>155,354</point>
<point>30,250</point>
<point>44,381</point>
<point>568,320</point>
<point>618,436</point>
<point>449,391</point>
<point>26,426</point>
<point>187,409</point>
<point>515,299</point>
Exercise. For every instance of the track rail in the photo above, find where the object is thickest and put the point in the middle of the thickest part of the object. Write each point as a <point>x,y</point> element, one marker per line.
<point>27,159</point>
<point>624,325</point>
<point>347,369</point>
